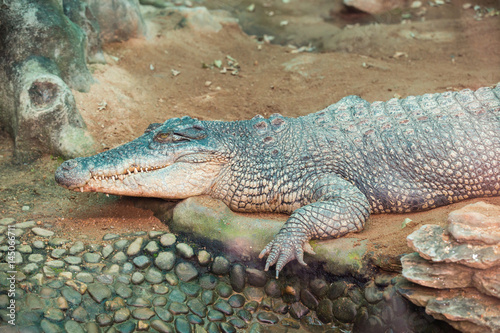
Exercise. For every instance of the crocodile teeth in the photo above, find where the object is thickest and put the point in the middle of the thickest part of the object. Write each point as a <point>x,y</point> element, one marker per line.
<point>121,177</point>
<point>135,171</point>
<point>128,171</point>
<point>113,177</point>
<point>81,189</point>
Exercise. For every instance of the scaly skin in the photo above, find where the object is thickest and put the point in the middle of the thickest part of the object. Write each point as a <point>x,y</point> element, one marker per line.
<point>329,169</point>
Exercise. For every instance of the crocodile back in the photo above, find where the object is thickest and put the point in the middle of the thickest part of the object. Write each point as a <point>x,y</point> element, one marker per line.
<point>415,153</point>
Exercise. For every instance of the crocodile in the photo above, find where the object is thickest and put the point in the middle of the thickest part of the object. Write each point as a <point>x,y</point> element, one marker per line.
<point>328,170</point>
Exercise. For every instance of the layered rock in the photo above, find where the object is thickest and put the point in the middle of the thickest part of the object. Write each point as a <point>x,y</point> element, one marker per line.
<point>456,273</point>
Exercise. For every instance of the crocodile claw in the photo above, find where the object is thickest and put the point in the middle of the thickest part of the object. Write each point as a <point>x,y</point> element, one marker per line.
<point>283,249</point>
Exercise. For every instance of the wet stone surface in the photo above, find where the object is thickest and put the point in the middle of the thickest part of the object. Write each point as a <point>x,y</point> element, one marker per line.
<point>147,282</point>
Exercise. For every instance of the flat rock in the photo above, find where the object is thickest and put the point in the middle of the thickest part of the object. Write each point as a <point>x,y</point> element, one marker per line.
<point>467,310</point>
<point>245,235</point>
<point>434,243</point>
<point>476,222</point>
<point>375,6</point>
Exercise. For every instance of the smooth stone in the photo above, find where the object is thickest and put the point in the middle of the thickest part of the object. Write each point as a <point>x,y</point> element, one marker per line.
<point>85,277</point>
<point>135,247</point>
<point>209,282</point>
<point>78,247</point>
<point>224,290</point>
<point>227,328</point>
<point>119,258</point>
<point>54,314</point>
<point>110,236</point>
<point>252,306</point>
<point>155,233</point>
<point>383,280</point>
<point>160,289</point>
<point>25,249</point>
<point>208,297</point>
<point>46,292</point>
<point>125,327</point>
<point>107,250</point>
<point>224,307</point>
<point>245,315</point>
<point>171,278</point>
<point>220,266</point>
<point>267,318</point>
<point>38,244</point>
<point>185,250</point>
<point>49,327</point>
<point>57,241</point>
<point>55,284</point>
<point>182,325</point>
<point>280,307</point>
<point>104,319</point>
<point>344,310</point>
<point>94,247</point>
<point>42,232</point>
<point>80,315</point>
<point>154,276</point>
<point>55,263</point>
<point>137,278</point>
<point>256,278</point>
<point>204,257</point>
<point>267,303</point>
<point>30,268</point>
<point>191,289</point>
<point>236,301</point>
<point>273,288</point>
<point>372,294</point>
<point>121,315</point>
<point>98,291</point>
<point>324,310</point>
<point>212,328</point>
<point>140,302</point>
<point>72,260</point>
<point>92,257</point>
<point>287,322</point>
<point>237,277</point>
<point>93,328</point>
<point>143,313</point>
<point>194,319</point>
<point>254,294</point>
<point>186,272</point>
<point>164,314</point>
<point>238,323</point>
<point>337,289</point>
<point>178,308</point>
<point>161,327</point>
<point>7,221</point>
<point>73,327</point>
<point>105,278</point>
<point>71,295</point>
<point>177,296</point>
<point>168,240</point>
<point>197,307</point>
<point>319,287</point>
<point>152,247</point>
<point>121,244</point>
<point>112,270</point>
<point>141,262</point>
<point>159,301</point>
<point>308,299</point>
<point>215,315</point>
<point>165,260</point>
<point>127,268</point>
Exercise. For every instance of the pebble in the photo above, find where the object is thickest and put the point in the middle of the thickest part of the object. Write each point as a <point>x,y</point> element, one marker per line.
<point>154,276</point>
<point>80,315</point>
<point>267,318</point>
<point>121,315</point>
<point>152,247</point>
<point>256,278</point>
<point>38,244</point>
<point>197,307</point>
<point>178,308</point>
<point>104,319</point>
<point>57,241</point>
<point>344,309</point>
<point>135,247</point>
<point>164,314</point>
<point>92,257</point>
<point>54,314</point>
<point>71,295</point>
<point>78,247</point>
<point>220,266</point>
<point>121,244</point>
<point>99,291</point>
<point>165,260</point>
<point>107,250</point>
<point>186,271</point>
<point>73,327</point>
<point>62,303</point>
<point>204,258</point>
<point>215,315</point>
<point>236,301</point>
<point>237,277</point>
<point>110,236</point>
<point>182,325</point>
<point>73,260</point>
<point>141,262</point>
<point>143,313</point>
<point>209,282</point>
<point>119,258</point>
<point>185,250</point>
<point>35,258</point>
<point>168,240</point>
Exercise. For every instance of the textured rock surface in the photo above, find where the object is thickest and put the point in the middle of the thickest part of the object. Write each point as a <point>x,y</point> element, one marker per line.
<point>36,104</point>
<point>457,271</point>
<point>118,20</point>
<point>375,6</point>
<point>245,236</point>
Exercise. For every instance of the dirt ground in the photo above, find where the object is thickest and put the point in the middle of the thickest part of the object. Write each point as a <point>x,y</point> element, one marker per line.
<point>431,49</point>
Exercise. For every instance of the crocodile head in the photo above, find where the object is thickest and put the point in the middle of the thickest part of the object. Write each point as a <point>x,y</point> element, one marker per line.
<point>174,160</point>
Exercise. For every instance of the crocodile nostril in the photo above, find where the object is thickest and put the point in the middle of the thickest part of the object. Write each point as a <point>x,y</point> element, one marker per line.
<point>68,165</point>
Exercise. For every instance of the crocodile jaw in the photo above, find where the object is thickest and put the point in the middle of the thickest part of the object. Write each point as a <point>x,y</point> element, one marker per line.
<point>176,181</point>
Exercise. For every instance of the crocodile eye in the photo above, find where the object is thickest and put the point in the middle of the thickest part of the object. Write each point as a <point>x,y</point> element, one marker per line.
<point>163,137</point>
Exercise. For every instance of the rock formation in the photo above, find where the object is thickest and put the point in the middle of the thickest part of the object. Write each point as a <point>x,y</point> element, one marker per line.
<point>456,273</point>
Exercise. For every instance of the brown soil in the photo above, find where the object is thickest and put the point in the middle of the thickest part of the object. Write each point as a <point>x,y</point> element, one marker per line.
<point>444,48</point>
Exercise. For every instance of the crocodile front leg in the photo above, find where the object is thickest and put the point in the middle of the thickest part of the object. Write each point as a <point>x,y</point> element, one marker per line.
<point>337,208</point>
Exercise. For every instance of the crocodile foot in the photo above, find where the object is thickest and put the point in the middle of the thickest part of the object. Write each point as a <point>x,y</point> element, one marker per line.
<point>284,248</point>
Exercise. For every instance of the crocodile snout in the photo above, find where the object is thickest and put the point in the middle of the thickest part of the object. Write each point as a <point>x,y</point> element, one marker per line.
<point>72,173</point>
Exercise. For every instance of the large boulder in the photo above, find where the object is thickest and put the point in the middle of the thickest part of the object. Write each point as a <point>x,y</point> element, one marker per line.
<point>455,273</point>
<point>245,235</point>
<point>43,56</point>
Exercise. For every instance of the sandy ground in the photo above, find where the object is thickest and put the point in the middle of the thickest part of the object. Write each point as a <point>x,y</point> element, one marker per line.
<point>437,49</point>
